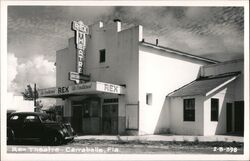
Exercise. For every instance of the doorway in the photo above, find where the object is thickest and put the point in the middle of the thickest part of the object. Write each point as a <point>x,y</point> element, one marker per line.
<point>110,117</point>
<point>239,116</point>
<point>229,117</point>
<point>235,117</point>
<point>77,118</point>
<point>86,116</point>
<point>91,116</point>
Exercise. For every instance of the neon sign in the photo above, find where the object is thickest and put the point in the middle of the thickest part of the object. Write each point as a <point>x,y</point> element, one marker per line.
<point>81,31</point>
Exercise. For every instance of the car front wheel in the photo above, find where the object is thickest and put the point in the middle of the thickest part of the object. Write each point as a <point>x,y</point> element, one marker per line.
<point>56,140</point>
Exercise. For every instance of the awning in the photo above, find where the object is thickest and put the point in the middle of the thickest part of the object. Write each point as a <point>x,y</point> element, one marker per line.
<point>205,85</point>
<point>80,89</point>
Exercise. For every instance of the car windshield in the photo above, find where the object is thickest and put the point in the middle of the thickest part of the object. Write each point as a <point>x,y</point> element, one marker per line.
<point>46,118</point>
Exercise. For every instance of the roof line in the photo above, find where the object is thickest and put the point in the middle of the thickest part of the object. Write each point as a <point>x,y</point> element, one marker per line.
<point>234,74</point>
<point>218,76</point>
<point>220,86</point>
<point>180,88</point>
<point>179,52</point>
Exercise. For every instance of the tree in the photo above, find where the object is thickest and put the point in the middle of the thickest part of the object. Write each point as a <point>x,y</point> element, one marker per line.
<point>30,94</point>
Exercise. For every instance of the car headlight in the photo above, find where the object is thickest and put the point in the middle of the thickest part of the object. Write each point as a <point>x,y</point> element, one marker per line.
<point>65,131</point>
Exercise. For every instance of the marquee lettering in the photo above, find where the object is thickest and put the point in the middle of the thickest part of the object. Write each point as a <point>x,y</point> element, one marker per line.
<point>81,31</point>
<point>62,90</point>
<point>111,88</point>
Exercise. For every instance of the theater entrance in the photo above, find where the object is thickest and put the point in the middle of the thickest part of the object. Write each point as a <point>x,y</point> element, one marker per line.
<point>87,116</point>
<point>110,116</point>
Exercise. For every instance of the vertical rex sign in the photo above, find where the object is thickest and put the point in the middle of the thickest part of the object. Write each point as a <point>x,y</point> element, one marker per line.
<point>81,31</point>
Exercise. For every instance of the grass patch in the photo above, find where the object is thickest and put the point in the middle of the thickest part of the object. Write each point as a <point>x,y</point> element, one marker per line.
<point>164,143</point>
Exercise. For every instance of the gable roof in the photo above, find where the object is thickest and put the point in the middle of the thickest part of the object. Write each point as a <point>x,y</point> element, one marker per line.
<point>205,85</point>
<point>177,52</point>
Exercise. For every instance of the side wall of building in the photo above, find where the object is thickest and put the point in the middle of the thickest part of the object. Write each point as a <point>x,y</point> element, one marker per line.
<point>177,123</point>
<point>226,67</point>
<point>65,63</point>
<point>159,74</point>
<point>228,94</point>
<point>224,95</point>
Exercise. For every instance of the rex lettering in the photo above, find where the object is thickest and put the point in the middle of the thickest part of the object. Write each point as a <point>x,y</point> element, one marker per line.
<point>63,90</point>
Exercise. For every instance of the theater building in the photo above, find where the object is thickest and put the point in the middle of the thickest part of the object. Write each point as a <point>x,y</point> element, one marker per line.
<point>111,81</point>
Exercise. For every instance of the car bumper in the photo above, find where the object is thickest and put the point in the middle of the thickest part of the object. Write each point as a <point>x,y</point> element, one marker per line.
<point>69,137</point>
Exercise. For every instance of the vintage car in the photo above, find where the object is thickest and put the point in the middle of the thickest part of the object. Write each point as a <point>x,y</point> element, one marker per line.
<point>37,126</point>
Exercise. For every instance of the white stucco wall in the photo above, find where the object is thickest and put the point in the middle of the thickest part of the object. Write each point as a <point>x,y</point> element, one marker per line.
<point>161,73</point>
<point>239,88</point>
<point>65,63</point>
<point>121,65</point>
<point>225,95</point>
<point>226,67</point>
<point>177,125</point>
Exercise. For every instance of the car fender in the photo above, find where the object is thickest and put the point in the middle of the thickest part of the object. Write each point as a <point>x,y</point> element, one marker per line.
<point>10,135</point>
<point>53,131</point>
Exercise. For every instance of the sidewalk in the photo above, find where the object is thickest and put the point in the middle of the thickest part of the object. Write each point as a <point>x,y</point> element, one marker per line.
<point>215,138</point>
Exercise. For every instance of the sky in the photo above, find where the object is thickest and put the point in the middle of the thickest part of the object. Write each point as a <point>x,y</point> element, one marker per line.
<point>35,33</point>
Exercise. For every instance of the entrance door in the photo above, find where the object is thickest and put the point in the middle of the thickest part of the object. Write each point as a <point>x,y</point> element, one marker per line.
<point>229,117</point>
<point>77,118</point>
<point>239,116</point>
<point>86,116</point>
<point>110,118</point>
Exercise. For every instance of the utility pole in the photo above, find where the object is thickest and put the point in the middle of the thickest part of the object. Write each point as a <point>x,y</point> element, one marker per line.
<point>35,95</point>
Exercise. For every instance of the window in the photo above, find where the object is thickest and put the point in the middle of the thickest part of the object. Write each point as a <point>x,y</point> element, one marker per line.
<point>15,117</point>
<point>214,109</point>
<point>189,109</point>
<point>111,100</point>
<point>102,57</point>
<point>149,99</point>
<point>31,119</point>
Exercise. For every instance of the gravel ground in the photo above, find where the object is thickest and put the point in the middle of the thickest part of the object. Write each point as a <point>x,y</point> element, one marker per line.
<point>160,147</point>
<point>89,146</point>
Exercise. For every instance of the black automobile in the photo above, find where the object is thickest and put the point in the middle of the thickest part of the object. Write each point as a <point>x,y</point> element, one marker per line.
<point>37,126</point>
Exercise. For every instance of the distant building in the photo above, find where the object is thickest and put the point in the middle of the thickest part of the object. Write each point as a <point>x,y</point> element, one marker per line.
<point>17,103</point>
<point>129,84</point>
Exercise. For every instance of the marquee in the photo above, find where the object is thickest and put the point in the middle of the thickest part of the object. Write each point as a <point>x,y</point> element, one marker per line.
<point>79,89</point>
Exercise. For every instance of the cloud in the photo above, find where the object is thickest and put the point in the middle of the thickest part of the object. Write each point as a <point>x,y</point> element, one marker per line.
<point>36,30</point>
<point>11,71</point>
<point>197,30</point>
<point>36,70</point>
<point>35,33</point>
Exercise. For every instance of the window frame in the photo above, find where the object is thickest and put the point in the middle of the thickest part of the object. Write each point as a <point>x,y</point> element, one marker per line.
<point>214,109</point>
<point>102,56</point>
<point>36,119</point>
<point>188,109</point>
<point>149,99</point>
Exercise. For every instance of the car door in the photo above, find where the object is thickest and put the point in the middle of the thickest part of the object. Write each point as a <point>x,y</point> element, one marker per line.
<point>15,124</point>
<point>32,127</point>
